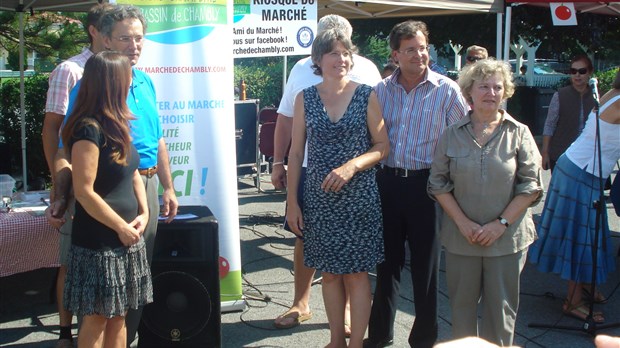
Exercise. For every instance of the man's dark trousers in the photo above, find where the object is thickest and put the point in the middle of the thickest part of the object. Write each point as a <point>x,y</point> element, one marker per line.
<point>408,216</point>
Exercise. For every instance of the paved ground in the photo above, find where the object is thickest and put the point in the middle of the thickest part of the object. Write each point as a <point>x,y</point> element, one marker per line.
<point>28,319</point>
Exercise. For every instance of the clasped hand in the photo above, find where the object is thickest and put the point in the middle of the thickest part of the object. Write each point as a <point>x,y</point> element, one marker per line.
<point>130,234</point>
<point>55,212</point>
<point>483,235</point>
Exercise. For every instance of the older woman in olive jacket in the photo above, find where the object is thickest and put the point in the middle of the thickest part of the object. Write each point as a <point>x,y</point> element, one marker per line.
<point>486,173</point>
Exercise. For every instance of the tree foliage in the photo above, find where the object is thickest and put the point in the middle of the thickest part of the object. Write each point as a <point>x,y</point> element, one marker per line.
<point>35,89</point>
<point>534,24</point>
<point>53,36</point>
<point>601,37</point>
<point>263,77</point>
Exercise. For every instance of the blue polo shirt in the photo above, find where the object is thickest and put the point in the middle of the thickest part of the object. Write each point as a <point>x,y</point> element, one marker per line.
<point>145,129</point>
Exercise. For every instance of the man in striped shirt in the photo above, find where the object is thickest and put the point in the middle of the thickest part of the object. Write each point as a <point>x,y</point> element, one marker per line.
<point>417,104</point>
<point>61,81</point>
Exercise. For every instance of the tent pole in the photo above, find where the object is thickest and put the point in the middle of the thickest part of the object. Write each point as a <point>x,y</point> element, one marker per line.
<point>22,107</point>
<point>284,70</point>
<point>507,33</point>
<point>498,37</point>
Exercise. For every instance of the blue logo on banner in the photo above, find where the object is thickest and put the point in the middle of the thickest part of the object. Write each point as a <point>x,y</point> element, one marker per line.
<point>305,36</point>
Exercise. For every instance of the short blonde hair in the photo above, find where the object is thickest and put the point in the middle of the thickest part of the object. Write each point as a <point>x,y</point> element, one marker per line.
<point>482,70</point>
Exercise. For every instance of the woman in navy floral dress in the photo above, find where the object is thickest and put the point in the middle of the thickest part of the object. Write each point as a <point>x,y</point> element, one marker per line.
<point>341,223</point>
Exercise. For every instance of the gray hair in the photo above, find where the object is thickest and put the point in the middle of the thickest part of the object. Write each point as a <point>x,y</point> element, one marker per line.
<point>476,48</point>
<point>94,17</point>
<point>324,43</point>
<point>118,14</point>
<point>333,21</point>
<point>482,70</point>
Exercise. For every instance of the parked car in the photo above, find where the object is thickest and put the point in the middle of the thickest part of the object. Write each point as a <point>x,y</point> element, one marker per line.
<point>544,66</point>
<point>544,73</point>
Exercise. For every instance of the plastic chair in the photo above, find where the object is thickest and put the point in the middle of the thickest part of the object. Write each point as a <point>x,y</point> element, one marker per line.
<point>267,118</point>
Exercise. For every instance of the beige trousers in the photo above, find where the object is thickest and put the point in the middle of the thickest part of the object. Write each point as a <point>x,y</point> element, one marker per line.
<point>492,282</point>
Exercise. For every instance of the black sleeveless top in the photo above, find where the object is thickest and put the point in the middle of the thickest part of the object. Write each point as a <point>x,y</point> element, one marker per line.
<point>114,183</point>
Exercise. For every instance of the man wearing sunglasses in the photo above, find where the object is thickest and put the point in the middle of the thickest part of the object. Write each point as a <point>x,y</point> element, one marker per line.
<point>568,111</point>
<point>475,53</point>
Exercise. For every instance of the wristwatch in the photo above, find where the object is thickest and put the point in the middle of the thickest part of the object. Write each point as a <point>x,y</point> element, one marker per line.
<point>503,221</point>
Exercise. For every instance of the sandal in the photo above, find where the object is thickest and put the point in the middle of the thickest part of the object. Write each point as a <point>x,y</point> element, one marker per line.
<point>291,319</point>
<point>598,297</point>
<point>347,329</point>
<point>581,311</point>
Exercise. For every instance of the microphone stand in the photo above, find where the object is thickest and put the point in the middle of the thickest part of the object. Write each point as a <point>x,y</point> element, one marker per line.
<point>589,325</point>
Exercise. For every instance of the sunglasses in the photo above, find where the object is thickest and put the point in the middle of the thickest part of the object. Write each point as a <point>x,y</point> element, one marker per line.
<point>473,59</point>
<point>581,71</point>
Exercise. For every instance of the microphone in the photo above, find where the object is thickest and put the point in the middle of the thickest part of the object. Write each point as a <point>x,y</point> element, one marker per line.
<point>594,87</point>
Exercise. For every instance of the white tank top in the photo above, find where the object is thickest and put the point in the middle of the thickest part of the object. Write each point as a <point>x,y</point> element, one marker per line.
<point>583,151</point>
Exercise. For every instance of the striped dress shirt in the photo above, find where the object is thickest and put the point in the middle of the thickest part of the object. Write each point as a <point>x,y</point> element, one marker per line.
<point>415,120</point>
<point>62,80</point>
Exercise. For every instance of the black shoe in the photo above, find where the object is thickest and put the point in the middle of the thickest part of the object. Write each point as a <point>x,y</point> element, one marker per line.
<point>368,343</point>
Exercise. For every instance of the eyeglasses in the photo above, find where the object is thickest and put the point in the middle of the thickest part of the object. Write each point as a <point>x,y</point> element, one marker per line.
<point>473,59</point>
<point>129,38</point>
<point>581,71</point>
<point>409,52</point>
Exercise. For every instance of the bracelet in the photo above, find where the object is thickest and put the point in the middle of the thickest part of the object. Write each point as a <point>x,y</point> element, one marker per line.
<point>277,163</point>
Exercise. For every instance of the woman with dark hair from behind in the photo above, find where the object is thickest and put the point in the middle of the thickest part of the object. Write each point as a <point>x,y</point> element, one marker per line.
<point>108,272</point>
<point>568,220</point>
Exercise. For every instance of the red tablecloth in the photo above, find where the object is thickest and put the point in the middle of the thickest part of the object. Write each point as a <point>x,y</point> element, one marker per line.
<point>27,243</point>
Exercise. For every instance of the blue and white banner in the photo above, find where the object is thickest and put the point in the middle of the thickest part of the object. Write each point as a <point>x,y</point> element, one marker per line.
<point>265,28</point>
<point>188,54</point>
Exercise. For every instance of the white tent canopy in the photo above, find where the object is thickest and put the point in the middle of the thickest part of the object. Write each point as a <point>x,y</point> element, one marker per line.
<point>406,8</point>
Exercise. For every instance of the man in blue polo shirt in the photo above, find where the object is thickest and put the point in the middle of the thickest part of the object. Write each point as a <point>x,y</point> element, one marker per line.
<point>122,29</point>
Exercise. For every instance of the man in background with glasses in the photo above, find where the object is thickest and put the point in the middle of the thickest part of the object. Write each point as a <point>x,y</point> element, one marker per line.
<point>417,104</point>
<point>475,53</point>
<point>568,112</point>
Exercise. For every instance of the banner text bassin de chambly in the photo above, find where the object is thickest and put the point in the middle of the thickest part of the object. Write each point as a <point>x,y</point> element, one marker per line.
<point>273,27</point>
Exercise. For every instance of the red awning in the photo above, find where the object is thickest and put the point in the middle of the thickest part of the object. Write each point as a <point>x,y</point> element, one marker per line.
<point>600,7</point>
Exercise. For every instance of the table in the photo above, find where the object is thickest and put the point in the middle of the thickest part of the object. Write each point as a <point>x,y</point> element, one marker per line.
<point>27,242</point>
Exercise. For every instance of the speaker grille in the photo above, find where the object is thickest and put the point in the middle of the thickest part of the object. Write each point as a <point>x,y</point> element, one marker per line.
<point>181,307</point>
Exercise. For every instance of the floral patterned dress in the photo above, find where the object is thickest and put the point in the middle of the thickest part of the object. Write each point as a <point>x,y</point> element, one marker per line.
<point>343,231</point>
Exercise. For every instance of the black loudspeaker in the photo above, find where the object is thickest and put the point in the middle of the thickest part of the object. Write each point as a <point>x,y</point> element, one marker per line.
<point>246,116</point>
<point>186,286</point>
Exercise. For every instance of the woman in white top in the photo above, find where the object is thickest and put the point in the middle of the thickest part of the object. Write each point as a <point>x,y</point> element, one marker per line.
<point>567,224</point>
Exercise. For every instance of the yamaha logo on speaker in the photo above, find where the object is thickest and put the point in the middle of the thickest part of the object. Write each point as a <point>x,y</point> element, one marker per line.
<point>175,334</point>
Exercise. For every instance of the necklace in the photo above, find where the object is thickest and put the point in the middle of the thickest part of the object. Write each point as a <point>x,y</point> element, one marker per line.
<point>486,131</point>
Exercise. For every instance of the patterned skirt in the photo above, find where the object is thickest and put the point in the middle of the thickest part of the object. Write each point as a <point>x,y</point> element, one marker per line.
<point>567,227</point>
<point>107,282</point>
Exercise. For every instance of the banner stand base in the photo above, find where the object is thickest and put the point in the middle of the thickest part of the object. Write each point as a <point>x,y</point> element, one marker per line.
<point>233,306</point>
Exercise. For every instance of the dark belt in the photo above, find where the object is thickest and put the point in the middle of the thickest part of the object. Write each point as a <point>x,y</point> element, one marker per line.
<point>148,172</point>
<point>405,173</point>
